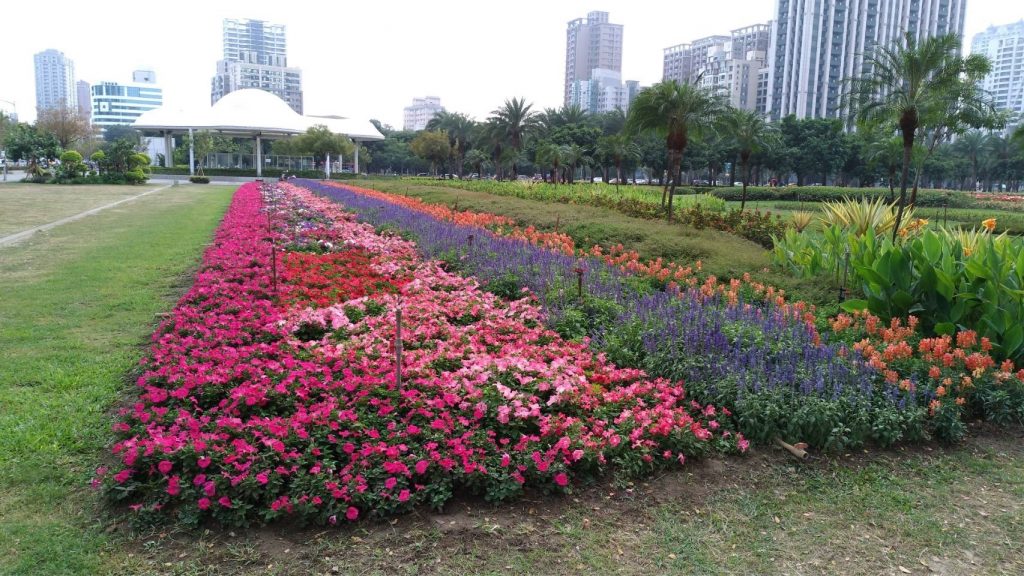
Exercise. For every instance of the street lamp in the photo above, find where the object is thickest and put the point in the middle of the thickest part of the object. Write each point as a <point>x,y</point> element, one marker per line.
<point>3,156</point>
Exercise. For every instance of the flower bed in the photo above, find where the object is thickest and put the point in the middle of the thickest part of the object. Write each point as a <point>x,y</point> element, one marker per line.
<point>254,404</point>
<point>763,361</point>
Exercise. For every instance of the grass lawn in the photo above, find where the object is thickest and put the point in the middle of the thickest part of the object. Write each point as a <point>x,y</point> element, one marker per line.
<point>722,254</point>
<point>928,510</point>
<point>78,304</point>
<point>30,205</point>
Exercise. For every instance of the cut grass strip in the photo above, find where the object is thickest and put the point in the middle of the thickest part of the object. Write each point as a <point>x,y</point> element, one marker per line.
<point>24,206</point>
<point>78,304</point>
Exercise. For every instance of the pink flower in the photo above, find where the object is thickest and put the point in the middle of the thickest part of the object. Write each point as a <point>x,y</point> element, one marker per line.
<point>204,462</point>
<point>123,476</point>
<point>421,466</point>
<point>224,501</point>
<point>403,495</point>
<point>204,503</point>
<point>173,485</point>
<point>561,479</point>
<point>352,513</point>
<point>742,442</point>
<point>165,467</point>
<point>262,477</point>
<point>391,482</point>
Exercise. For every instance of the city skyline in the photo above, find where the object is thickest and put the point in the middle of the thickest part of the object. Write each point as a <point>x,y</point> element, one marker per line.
<point>368,72</point>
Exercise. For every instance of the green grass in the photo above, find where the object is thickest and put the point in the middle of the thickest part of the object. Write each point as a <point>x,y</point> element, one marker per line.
<point>30,205</point>
<point>946,511</point>
<point>722,254</point>
<point>78,304</point>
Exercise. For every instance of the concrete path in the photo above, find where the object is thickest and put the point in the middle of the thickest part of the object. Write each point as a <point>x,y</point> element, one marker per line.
<point>19,236</point>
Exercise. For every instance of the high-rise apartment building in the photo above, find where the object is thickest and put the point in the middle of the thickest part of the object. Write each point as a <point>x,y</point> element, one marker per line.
<point>591,43</point>
<point>119,104</point>
<point>255,56</point>
<point>55,80</point>
<point>604,92</point>
<point>818,44</point>
<point>732,66</point>
<point>84,99</point>
<point>420,112</point>
<point>1004,46</point>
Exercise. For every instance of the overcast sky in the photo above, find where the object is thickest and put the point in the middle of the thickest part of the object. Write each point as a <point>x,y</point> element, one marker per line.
<point>369,58</point>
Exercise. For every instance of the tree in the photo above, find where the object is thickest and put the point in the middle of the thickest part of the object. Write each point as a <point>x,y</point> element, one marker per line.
<point>973,146</point>
<point>618,148</point>
<point>115,133</point>
<point>920,86</point>
<point>477,158</point>
<point>514,121</point>
<point>66,124</point>
<point>550,155</point>
<point>319,141</point>
<point>71,165</point>
<point>674,111</point>
<point>882,148</point>
<point>433,147</point>
<point>25,142</point>
<point>459,129</point>
<point>749,133</point>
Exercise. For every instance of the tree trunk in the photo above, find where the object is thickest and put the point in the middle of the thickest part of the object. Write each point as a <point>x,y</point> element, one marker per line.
<point>746,176</point>
<point>675,161</point>
<point>908,145</point>
<point>618,175</point>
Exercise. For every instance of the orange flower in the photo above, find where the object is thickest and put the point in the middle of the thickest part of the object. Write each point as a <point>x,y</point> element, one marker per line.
<point>934,372</point>
<point>940,391</point>
<point>989,224</point>
<point>960,401</point>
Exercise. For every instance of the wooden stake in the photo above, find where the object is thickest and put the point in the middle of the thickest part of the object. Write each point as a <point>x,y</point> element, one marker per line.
<point>794,450</point>
<point>398,346</point>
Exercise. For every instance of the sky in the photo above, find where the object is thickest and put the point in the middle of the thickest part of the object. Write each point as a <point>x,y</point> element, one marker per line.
<point>370,58</point>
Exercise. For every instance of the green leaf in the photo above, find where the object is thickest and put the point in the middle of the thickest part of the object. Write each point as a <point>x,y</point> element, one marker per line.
<point>902,299</point>
<point>854,305</point>
<point>945,328</point>
<point>1012,340</point>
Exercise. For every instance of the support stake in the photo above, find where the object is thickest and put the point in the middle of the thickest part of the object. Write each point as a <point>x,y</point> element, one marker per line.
<point>398,345</point>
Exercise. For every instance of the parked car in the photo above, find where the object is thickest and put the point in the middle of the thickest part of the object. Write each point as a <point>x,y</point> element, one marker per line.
<point>597,180</point>
<point>640,181</point>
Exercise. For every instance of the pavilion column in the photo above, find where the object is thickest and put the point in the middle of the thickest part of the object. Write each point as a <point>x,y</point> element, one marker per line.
<point>168,150</point>
<point>259,156</point>
<point>355,163</point>
<point>191,153</point>
<point>327,166</point>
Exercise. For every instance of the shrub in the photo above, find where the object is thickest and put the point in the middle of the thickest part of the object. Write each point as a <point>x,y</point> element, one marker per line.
<point>199,179</point>
<point>136,176</point>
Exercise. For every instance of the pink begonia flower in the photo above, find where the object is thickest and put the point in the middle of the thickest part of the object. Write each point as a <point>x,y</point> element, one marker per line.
<point>403,495</point>
<point>352,513</point>
<point>561,479</point>
<point>165,467</point>
<point>204,503</point>
<point>224,501</point>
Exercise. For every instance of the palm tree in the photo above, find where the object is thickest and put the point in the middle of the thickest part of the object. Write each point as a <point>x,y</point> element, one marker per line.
<point>618,148</point>
<point>675,111</point>
<point>477,158</point>
<point>749,133</point>
<point>919,86</point>
<point>884,149</point>
<point>460,129</point>
<point>973,146</point>
<point>516,121</point>
<point>550,154</point>
<point>573,155</point>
